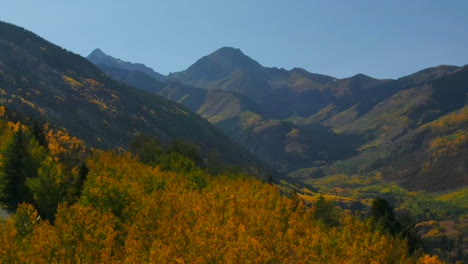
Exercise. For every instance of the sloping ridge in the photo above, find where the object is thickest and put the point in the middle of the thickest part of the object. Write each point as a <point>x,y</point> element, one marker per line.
<point>46,82</point>
<point>418,137</point>
<point>99,57</point>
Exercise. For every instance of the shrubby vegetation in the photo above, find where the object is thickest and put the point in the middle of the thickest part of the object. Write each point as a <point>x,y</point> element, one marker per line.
<point>423,206</point>
<point>439,218</point>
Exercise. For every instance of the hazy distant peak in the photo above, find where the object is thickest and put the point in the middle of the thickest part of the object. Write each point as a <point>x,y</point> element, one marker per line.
<point>217,66</point>
<point>98,57</point>
<point>97,52</point>
<point>300,70</point>
<point>229,51</point>
<point>361,76</point>
<point>233,56</point>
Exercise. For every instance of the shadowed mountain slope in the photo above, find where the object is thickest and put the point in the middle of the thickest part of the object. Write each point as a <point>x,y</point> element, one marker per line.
<point>315,125</point>
<point>46,82</point>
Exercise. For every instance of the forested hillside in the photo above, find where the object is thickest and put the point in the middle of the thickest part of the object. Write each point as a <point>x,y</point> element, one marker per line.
<point>92,206</point>
<point>348,139</point>
<point>416,137</point>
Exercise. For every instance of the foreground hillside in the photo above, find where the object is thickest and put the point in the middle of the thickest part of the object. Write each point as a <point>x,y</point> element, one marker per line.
<point>112,208</point>
<point>46,82</point>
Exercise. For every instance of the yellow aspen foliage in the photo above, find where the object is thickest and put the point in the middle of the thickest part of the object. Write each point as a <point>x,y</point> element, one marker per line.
<point>130,212</point>
<point>2,111</point>
<point>5,133</point>
<point>79,235</point>
<point>429,259</point>
<point>72,82</point>
<point>452,120</point>
<point>62,146</point>
<point>14,126</point>
<point>10,247</point>
<point>450,145</point>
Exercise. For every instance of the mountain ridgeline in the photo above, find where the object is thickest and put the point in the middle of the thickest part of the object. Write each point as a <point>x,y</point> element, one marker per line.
<point>42,81</point>
<point>412,129</point>
<point>99,58</point>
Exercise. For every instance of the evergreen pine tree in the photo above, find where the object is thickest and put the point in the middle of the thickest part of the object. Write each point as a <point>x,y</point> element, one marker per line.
<point>82,175</point>
<point>46,188</point>
<point>326,211</point>
<point>39,135</point>
<point>382,213</point>
<point>13,169</point>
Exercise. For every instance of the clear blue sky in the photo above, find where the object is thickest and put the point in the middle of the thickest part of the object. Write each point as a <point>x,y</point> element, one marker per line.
<point>383,39</point>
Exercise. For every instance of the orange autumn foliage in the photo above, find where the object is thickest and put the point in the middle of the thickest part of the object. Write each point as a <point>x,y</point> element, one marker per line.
<point>134,213</point>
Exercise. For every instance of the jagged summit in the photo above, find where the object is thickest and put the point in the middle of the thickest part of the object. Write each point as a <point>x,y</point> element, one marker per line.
<point>98,57</point>
<point>229,59</point>
<point>97,52</point>
<point>229,52</point>
<point>218,65</point>
<point>361,76</point>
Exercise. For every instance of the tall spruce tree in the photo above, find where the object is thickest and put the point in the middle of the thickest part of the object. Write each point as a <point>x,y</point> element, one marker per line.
<point>38,134</point>
<point>326,211</point>
<point>13,169</point>
<point>383,214</point>
<point>82,175</point>
<point>46,188</point>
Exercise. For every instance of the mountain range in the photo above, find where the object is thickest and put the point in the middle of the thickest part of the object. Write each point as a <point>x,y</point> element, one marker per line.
<point>41,81</point>
<point>412,130</point>
<point>397,148</point>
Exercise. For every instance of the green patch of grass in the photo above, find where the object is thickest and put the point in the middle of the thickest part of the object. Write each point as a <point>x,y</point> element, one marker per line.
<point>459,196</point>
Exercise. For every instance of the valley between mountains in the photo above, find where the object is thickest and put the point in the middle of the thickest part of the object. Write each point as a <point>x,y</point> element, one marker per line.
<point>411,131</point>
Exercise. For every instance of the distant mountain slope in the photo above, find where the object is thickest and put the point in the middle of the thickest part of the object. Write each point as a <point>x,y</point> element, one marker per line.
<point>46,82</point>
<point>231,70</point>
<point>286,146</point>
<point>214,105</point>
<point>284,94</point>
<point>432,157</point>
<point>314,125</point>
<point>417,137</point>
<point>281,144</point>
